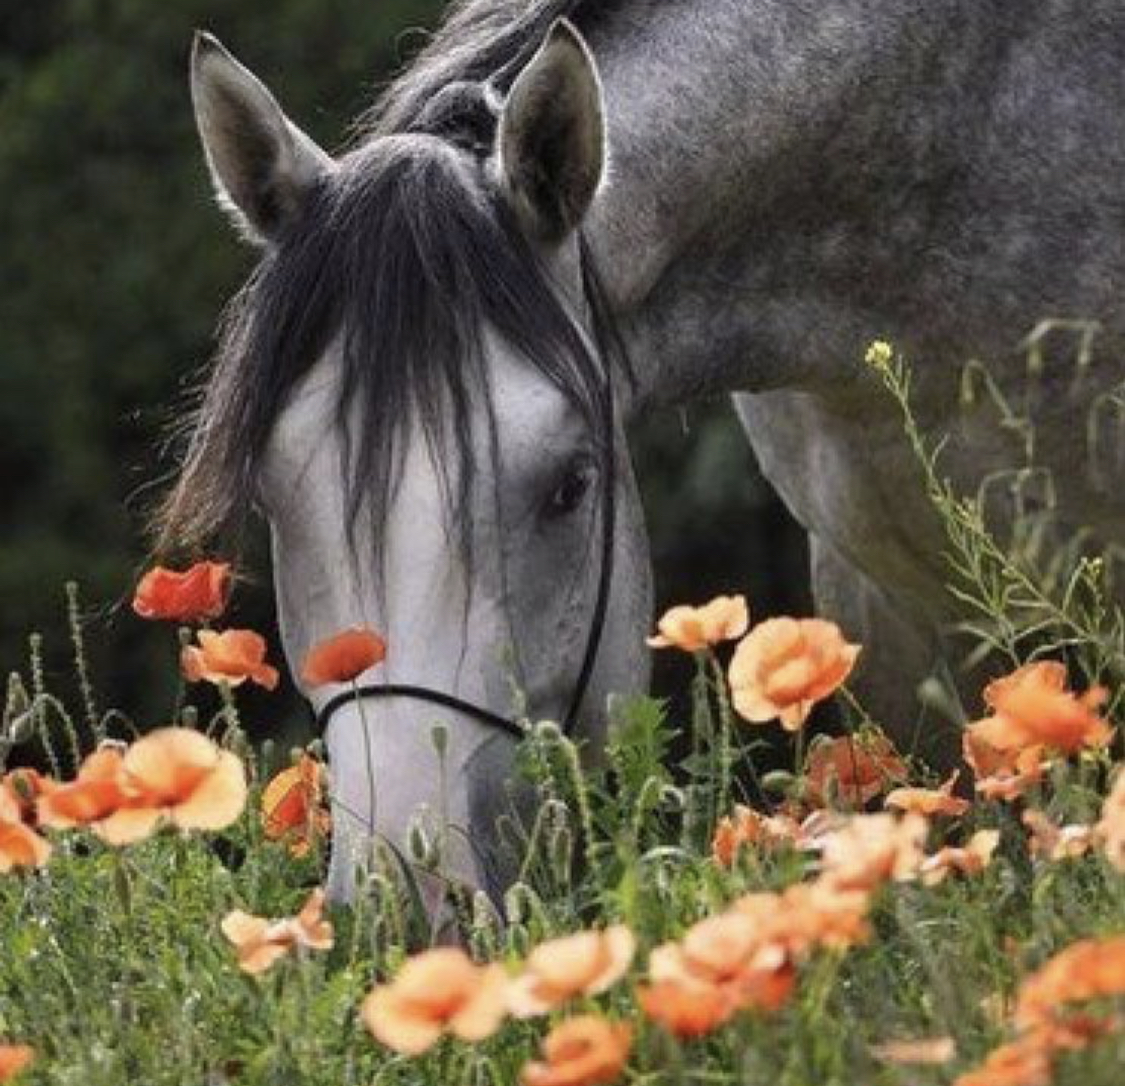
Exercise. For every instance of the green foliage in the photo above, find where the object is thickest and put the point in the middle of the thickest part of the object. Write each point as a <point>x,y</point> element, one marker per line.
<point>114,967</point>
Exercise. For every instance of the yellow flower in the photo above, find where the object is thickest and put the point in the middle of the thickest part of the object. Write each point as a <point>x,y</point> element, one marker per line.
<point>879,355</point>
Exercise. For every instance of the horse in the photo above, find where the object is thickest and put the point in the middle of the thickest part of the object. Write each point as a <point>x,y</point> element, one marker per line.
<point>563,213</point>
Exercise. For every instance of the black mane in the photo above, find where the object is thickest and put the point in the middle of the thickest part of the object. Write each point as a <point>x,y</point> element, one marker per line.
<point>401,259</point>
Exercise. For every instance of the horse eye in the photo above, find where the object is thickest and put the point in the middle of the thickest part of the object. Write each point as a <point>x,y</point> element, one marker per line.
<point>572,488</point>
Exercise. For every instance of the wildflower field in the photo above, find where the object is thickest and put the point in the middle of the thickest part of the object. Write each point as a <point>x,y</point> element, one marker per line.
<point>851,920</point>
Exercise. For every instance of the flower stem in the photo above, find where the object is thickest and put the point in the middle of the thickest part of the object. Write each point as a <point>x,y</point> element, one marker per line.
<point>368,757</point>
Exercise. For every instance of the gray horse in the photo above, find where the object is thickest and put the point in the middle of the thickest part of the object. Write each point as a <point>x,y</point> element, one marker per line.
<point>566,212</point>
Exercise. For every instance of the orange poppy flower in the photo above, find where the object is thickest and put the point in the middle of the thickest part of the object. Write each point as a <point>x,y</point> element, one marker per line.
<point>25,786</point>
<point>260,942</point>
<point>929,801</point>
<point>809,915</point>
<point>1008,787</point>
<point>1089,969</point>
<point>970,860</point>
<point>179,775</point>
<point>584,1051</point>
<point>97,791</point>
<point>873,849</point>
<point>713,951</point>
<point>853,769</point>
<point>1047,841</point>
<point>293,806</point>
<point>686,1010</point>
<point>583,964</point>
<point>1018,1063</point>
<point>1004,775</point>
<point>1111,828</point>
<point>436,992</point>
<point>172,774</point>
<point>693,629</point>
<point>193,595</point>
<point>13,1059</point>
<point>749,827</point>
<point>1032,707</point>
<point>230,657</point>
<point>1073,1032</point>
<point>732,953</point>
<point>929,1051</point>
<point>343,658</point>
<point>784,666</point>
<point>20,845</point>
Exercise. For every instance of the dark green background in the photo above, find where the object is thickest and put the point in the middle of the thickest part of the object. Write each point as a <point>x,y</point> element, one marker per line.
<point>114,266</point>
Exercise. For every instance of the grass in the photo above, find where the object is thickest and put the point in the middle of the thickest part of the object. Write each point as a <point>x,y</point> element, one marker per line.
<point>114,968</point>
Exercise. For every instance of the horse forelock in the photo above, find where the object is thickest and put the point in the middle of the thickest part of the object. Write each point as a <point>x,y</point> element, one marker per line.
<point>398,263</point>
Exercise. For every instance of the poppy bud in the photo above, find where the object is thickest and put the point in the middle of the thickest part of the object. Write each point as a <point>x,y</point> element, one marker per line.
<point>519,940</point>
<point>521,903</point>
<point>779,782</point>
<point>560,849</point>
<point>17,702</point>
<point>439,736</point>
<point>420,845</point>
<point>484,1072</point>
<point>547,731</point>
<point>21,728</point>
<point>672,798</point>
<point>484,928</point>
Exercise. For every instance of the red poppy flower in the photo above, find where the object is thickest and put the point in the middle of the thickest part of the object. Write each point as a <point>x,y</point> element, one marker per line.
<point>851,769</point>
<point>344,657</point>
<point>193,595</point>
<point>293,807</point>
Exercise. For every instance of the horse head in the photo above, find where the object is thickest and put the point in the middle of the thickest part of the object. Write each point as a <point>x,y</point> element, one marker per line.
<point>415,390</point>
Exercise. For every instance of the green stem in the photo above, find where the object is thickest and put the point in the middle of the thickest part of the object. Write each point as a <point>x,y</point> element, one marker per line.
<point>368,757</point>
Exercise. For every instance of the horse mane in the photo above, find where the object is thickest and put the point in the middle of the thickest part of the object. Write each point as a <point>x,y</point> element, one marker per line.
<point>399,261</point>
<point>478,41</point>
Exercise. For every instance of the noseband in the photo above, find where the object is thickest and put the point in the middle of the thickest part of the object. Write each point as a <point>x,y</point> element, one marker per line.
<point>597,619</point>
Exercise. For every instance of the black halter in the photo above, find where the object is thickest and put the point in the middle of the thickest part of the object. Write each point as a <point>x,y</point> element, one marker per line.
<point>597,620</point>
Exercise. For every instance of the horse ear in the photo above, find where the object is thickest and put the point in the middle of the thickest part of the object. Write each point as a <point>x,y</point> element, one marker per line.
<point>551,145</point>
<point>262,164</point>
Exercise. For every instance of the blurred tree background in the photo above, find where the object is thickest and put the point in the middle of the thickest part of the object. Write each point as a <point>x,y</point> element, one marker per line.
<point>114,267</point>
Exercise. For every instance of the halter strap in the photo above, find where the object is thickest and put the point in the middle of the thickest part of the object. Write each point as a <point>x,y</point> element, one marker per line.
<point>418,693</point>
<point>597,619</point>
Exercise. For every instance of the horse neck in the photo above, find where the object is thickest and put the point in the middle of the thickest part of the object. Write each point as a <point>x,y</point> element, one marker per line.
<point>765,174</point>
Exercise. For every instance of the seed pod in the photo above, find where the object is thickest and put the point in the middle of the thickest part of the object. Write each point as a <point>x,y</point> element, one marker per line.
<point>560,851</point>
<point>17,701</point>
<point>21,728</point>
<point>439,736</point>
<point>421,845</point>
<point>779,782</point>
<point>483,926</point>
<point>547,731</point>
